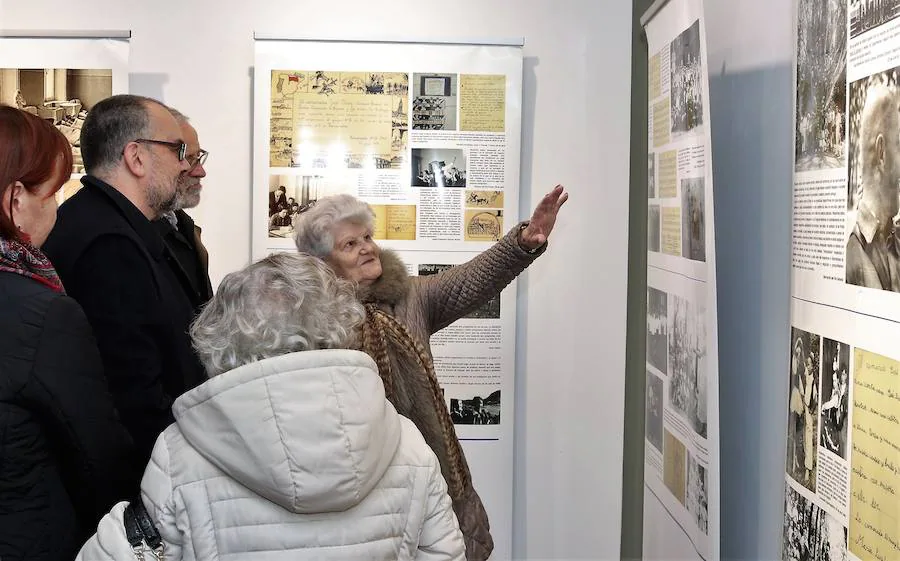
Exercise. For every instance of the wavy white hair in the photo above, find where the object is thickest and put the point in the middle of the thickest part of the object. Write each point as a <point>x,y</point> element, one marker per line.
<point>313,227</point>
<point>278,305</point>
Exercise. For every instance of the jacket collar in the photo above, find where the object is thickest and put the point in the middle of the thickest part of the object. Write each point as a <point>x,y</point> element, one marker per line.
<point>135,218</point>
<point>393,284</point>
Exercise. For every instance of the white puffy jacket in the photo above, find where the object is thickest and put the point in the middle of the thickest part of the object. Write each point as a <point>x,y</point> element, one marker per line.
<point>294,457</point>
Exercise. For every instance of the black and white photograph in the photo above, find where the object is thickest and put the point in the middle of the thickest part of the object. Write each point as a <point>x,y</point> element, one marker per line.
<point>835,396</point>
<point>803,418</point>
<point>651,175</point>
<point>872,254</point>
<point>657,329</point>
<point>483,409</point>
<point>62,96</point>
<point>654,423</point>
<point>810,533</point>
<point>289,196</point>
<point>693,221</point>
<point>653,228</point>
<point>697,495</point>
<point>687,358</point>
<point>488,310</point>
<point>821,119</point>
<point>869,14</point>
<point>438,167</point>
<point>687,81</point>
<point>434,102</point>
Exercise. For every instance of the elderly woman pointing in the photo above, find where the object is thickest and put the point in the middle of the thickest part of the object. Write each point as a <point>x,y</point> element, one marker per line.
<point>402,313</point>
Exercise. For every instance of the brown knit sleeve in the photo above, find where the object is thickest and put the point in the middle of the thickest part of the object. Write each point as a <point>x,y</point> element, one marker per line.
<point>451,294</point>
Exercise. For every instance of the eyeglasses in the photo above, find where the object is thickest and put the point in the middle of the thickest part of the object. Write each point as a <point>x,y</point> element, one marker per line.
<point>180,149</point>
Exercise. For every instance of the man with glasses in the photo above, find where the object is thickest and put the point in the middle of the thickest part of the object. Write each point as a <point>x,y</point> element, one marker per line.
<point>115,264</point>
<point>177,227</point>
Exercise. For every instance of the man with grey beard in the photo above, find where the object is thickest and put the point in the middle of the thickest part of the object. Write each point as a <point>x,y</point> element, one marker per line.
<point>114,263</point>
<point>177,228</point>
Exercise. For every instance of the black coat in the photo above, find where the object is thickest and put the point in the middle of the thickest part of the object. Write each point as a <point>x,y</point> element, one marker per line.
<point>185,244</point>
<point>115,264</point>
<point>65,457</point>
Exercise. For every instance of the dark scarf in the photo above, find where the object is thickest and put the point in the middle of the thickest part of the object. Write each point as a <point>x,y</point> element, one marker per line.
<point>24,259</point>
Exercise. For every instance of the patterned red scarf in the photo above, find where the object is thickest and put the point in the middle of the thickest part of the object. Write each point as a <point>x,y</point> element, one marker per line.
<point>26,260</point>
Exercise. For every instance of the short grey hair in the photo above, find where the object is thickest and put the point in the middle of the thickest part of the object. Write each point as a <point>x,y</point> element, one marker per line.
<point>281,304</point>
<point>312,231</point>
<point>109,126</point>
<point>179,116</point>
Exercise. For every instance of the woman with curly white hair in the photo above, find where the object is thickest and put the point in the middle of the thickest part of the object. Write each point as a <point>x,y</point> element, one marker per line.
<point>290,450</point>
<point>403,312</point>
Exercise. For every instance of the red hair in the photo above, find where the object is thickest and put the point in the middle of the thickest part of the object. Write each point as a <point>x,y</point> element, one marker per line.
<point>32,151</point>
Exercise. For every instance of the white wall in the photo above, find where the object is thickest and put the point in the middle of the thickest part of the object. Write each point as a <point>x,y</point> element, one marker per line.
<point>198,55</point>
<point>750,57</point>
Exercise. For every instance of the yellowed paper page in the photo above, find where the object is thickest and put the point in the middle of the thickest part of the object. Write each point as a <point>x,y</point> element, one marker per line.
<point>379,231</point>
<point>483,225</point>
<point>484,199</point>
<point>661,122</point>
<point>875,458</point>
<point>341,125</point>
<point>482,102</point>
<point>655,84</point>
<point>401,222</point>
<point>671,231</point>
<point>674,466</point>
<point>668,174</point>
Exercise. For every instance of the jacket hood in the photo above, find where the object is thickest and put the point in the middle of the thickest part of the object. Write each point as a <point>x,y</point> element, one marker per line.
<point>310,431</point>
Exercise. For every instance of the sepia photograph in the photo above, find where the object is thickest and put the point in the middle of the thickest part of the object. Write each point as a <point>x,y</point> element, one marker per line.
<point>803,419</point>
<point>835,397</point>
<point>653,228</point>
<point>434,102</point>
<point>657,329</point>
<point>674,465</point>
<point>488,310</point>
<point>475,409</point>
<point>869,14</point>
<point>693,222</point>
<point>651,175</point>
<point>654,428</point>
<point>62,96</point>
<point>811,534</point>
<point>697,495</point>
<point>872,254</point>
<point>687,81</point>
<point>687,357</point>
<point>821,119</point>
<point>438,167</point>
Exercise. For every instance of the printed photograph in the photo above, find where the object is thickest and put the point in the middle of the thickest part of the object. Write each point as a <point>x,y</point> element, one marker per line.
<point>289,196</point>
<point>687,359</point>
<point>651,175</point>
<point>653,228</point>
<point>821,119</point>
<point>476,409</point>
<point>62,96</point>
<point>872,254</point>
<point>438,167</point>
<point>869,14</point>
<point>654,428</point>
<point>835,396</point>
<point>434,102</point>
<point>657,329</point>
<point>811,534</point>
<point>693,222</point>
<point>697,498</point>
<point>483,225</point>
<point>674,466</point>
<point>803,419</point>
<point>687,81</point>
<point>488,310</point>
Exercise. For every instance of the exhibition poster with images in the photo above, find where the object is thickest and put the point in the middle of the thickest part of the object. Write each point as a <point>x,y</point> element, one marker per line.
<point>681,468</point>
<point>842,453</point>
<point>59,79</point>
<point>429,136</point>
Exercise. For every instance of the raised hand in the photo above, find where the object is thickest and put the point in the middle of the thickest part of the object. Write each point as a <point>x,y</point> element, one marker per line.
<point>543,219</point>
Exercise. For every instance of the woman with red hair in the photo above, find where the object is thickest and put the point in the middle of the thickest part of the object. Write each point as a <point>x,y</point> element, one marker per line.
<point>64,456</point>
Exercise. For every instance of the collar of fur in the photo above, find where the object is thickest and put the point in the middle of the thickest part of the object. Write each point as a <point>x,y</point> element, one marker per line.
<point>393,284</point>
